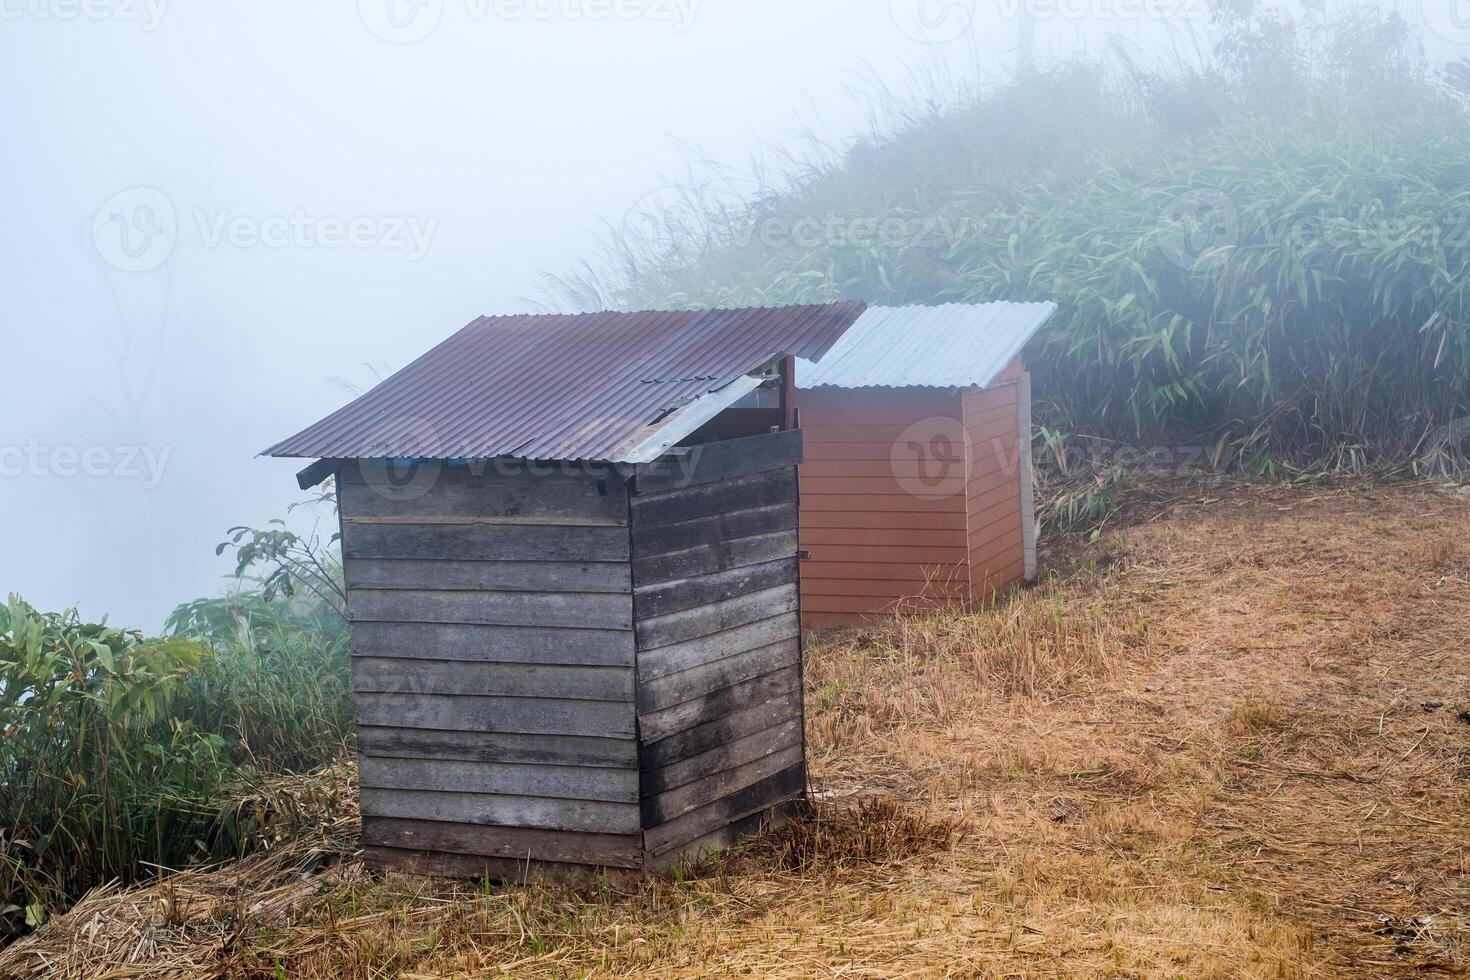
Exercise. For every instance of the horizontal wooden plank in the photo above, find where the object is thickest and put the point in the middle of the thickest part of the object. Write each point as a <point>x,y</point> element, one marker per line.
<point>887,434</point>
<point>575,610</point>
<point>999,456</point>
<point>378,674</point>
<point>873,605</point>
<point>817,452</point>
<point>991,482</point>
<point>489,576</point>
<point>877,605</point>
<point>875,406</point>
<point>716,618</point>
<point>999,565</point>
<point>651,541</point>
<point>731,754</point>
<point>704,590</point>
<point>485,542</point>
<point>1005,391</point>
<point>457,492</point>
<point>721,555</point>
<point>999,550</point>
<point>660,809</point>
<point>708,500</point>
<point>687,685</point>
<point>890,588</point>
<point>880,503</point>
<point>1003,426</point>
<point>501,779</point>
<point>998,578</point>
<point>951,520</point>
<point>655,664</point>
<point>722,731</point>
<point>520,716</point>
<point>462,746</point>
<point>890,554</point>
<point>468,866</point>
<point>493,644</point>
<point>587,816</point>
<point>878,534</point>
<point>919,573</point>
<point>946,479</point>
<point>721,461</point>
<point>656,725</point>
<point>905,466</point>
<point>775,789</point>
<point>506,843</point>
<point>1005,504</point>
<point>1006,527</point>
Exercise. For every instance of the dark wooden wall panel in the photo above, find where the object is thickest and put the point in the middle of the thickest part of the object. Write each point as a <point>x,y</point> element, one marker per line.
<point>575,671</point>
<point>716,601</point>
<point>493,670</point>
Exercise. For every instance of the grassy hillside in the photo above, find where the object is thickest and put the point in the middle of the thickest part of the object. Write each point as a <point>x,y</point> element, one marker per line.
<point>1262,256</point>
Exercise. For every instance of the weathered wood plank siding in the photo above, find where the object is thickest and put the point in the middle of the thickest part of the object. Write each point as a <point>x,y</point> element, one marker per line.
<point>716,614</point>
<point>492,625</point>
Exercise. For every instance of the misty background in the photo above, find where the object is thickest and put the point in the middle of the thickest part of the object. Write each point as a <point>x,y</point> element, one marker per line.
<point>221,222</point>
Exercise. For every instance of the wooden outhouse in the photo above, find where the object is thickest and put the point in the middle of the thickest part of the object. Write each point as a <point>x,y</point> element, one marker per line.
<point>570,548</point>
<point>917,485</point>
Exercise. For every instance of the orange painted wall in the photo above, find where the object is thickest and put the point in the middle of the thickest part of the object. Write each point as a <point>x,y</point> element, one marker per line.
<point>909,497</point>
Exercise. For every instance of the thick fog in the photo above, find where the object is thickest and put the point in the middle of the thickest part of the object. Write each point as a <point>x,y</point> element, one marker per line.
<point>221,219</point>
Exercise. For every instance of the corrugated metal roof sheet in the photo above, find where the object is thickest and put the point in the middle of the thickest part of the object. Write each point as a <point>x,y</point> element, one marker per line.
<point>590,386</point>
<point>953,346</point>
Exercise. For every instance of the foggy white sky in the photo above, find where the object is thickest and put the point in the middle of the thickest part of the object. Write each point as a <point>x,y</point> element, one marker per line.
<point>296,190</point>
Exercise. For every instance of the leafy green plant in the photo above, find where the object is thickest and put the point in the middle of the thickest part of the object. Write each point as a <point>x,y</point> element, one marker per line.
<point>124,754</point>
<point>100,777</point>
<point>1264,251</point>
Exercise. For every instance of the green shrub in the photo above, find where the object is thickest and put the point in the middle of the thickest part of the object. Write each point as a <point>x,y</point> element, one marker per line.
<point>123,754</point>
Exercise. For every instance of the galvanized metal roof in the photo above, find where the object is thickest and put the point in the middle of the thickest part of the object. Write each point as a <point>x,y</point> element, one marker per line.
<point>952,346</point>
<point>594,386</point>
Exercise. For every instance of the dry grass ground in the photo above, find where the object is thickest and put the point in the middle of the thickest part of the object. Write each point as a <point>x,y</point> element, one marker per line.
<point>1233,740</point>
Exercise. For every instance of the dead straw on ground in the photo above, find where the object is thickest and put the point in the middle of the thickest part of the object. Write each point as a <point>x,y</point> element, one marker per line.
<point>1231,740</point>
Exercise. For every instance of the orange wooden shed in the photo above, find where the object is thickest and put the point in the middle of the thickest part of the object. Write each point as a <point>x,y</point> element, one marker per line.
<point>917,486</point>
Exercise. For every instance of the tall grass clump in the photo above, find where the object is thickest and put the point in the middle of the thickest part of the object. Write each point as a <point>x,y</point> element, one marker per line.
<point>1261,254</point>
<point>124,754</point>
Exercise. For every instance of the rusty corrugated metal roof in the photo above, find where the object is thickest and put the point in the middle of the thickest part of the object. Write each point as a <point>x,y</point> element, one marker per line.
<point>589,386</point>
<point>957,345</point>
